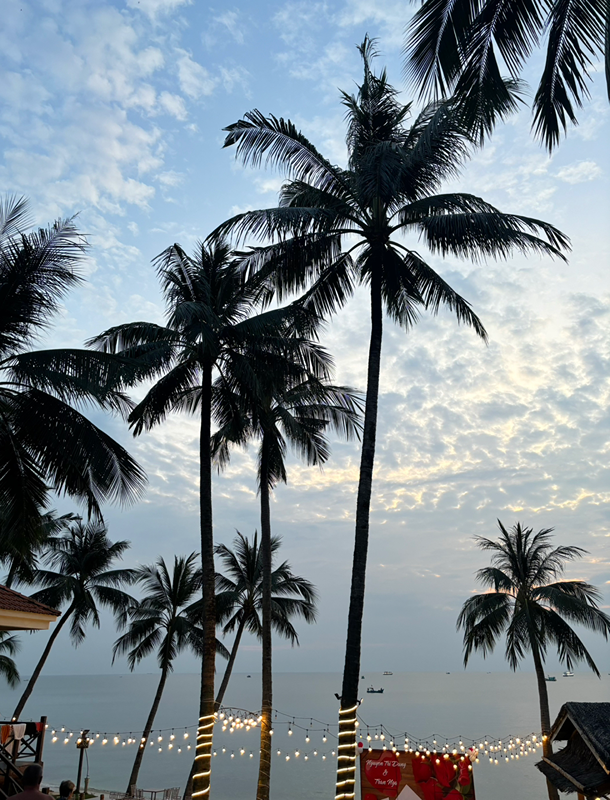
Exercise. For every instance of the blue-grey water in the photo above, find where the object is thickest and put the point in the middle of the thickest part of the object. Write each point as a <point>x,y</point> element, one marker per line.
<point>430,706</point>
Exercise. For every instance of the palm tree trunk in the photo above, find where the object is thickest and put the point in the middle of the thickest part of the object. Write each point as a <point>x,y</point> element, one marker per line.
<point>188,791</point>
<point>205,729</point>
<point>135,770</point>
<point>346,761</point>
<point>230,663</point>
<point>545,714</point>
<point>264,768</point>
<point>38,669</point>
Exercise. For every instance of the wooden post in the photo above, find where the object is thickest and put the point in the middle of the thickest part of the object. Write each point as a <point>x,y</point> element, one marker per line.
<point>40,740</point>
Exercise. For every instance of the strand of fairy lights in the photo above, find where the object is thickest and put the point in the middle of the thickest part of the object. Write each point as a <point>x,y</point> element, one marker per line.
<point>231,720</point>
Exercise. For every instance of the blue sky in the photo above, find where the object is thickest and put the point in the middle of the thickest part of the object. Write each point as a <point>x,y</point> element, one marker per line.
<point>116,110</point>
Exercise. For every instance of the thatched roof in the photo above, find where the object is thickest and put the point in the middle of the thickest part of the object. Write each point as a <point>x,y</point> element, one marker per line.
<point>584,764</point>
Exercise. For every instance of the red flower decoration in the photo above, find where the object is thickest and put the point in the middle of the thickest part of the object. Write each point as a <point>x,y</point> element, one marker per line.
<point>464,779</point>
<point>421,769</point>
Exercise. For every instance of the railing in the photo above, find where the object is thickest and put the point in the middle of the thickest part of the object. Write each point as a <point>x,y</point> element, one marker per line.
<point>16,754</point>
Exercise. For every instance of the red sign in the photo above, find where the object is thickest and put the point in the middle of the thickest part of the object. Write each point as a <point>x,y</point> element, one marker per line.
<point>387,775</point>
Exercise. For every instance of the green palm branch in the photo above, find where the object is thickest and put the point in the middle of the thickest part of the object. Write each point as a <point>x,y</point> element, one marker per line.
<point>337,228</point>
<point>46,443</point>
<point>212,337</point>
<point>164,622</point>
<point>81,578</point>
<point>21,553</point>
<point>528,601</point>
<point>9,646</point>
<point>463,47</point>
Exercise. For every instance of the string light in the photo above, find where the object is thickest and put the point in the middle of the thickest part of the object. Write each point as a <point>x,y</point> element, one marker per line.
<point>507,750</point>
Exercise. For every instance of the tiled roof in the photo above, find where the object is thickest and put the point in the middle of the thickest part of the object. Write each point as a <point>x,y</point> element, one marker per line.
<point>13,601</point>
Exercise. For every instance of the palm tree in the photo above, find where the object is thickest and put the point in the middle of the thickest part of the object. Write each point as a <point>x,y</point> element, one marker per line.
<point>387,190</point>
<point>9,645</point>
<point>462,47</point>
<point>163,621</point>
<point>82,576</point>
<point>45,443</point>
<point>528,600</point>
<point>240,594</point>
<point>210,337</point>
<point>292,406</point>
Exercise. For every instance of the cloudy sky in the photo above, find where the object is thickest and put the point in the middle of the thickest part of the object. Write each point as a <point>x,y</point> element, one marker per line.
<point>115,110</point>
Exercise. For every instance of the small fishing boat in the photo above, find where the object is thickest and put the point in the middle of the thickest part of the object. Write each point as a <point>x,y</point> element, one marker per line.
<point>370,690</point>
<point>550,678</point>
<point>388,673</point>
<point>568,674</point>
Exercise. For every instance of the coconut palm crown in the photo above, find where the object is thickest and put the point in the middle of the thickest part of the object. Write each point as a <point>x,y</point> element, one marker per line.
<point>239,594</point>
<point>82,576</point>
<point>529,603</point>
<point>337,228</point>
<point>46,443</point>
<point>165,622</point>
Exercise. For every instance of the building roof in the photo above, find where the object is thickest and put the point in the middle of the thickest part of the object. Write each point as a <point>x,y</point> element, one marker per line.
<point>583,765</point>
<point>11,600</point>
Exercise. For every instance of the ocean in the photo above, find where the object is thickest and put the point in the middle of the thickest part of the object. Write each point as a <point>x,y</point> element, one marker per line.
<point>425,706</point>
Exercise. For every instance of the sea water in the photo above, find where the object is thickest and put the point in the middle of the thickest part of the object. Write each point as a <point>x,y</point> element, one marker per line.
<point>465,705</point>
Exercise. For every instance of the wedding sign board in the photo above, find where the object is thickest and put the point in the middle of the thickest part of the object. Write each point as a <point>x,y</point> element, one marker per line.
<point>385,775</point>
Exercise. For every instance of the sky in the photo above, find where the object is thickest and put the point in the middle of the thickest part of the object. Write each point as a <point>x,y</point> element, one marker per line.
<point>114,111</point>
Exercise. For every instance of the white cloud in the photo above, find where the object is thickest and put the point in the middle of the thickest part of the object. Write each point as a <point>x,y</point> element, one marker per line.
<point>173,104</point>
<point>170,178</point>
<point>155,8</point>
<point>231,21</point>
<point>234,76</point>
<point>580,172</point>
<point>195,80</point>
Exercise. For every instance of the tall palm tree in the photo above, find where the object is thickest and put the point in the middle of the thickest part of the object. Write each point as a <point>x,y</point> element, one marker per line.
<point>163,621</point>
<point>9,645</point>
<point>388,189</point>
<point>293,407</point>
<point>45,442</point>
<point>240,595</point>
<point>528,600</point>
<point>83,576</point>
<point>462,48</point>
<point>210,337</point>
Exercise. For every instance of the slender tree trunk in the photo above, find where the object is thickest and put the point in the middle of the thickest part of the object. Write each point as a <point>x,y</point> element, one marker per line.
<point>135,770</point>
<point>45,654</point>
<point>346,761</point>
<point>205,729</point>
<point>188,791</point>
<point>264,768</point>
<point>227,676</point>
<point>545,714</point>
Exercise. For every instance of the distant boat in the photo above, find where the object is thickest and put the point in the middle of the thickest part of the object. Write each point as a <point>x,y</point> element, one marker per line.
<point>370,690</point>
<point>550,678</point>
<point>248,676</point>
<point>447,673</point>
<point>568,674</point>
<point>388,673</point>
